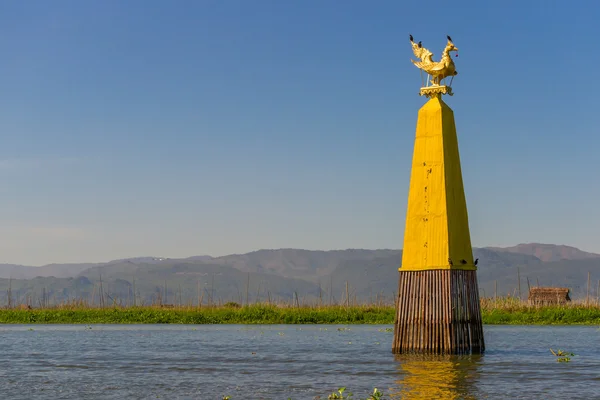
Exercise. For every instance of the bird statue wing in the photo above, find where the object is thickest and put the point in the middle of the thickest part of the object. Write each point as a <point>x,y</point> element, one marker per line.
<point>419,64</point>
<point>427,67</point>
<point>416,49</point>
<point>426,57</point>
<point>437,66</point>
<point>421,52</point>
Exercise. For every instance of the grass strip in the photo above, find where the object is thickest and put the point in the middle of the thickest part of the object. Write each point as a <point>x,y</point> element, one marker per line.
<point>493,313</point>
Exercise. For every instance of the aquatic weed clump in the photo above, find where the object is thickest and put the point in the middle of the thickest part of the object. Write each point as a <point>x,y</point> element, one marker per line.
<point>342,394</point>
<point>562,356</point>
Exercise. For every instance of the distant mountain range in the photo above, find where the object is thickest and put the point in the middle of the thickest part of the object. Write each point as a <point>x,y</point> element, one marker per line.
<point>290,275</point>
<point>548,252</point>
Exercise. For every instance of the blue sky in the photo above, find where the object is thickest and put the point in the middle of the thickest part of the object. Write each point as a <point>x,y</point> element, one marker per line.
<point>173,129</point>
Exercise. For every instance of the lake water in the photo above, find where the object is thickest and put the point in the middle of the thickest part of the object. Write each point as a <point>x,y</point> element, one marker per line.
<point>281,361</point>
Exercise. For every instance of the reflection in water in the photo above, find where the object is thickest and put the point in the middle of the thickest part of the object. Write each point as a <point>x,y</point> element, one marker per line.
<point>436,377</point>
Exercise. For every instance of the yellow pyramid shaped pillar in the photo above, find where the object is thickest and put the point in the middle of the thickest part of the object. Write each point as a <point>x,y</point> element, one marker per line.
<point>438,308</point>
<point>436,235</point>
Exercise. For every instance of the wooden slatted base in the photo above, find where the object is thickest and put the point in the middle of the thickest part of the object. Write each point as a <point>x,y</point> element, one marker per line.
<point>438,311</point>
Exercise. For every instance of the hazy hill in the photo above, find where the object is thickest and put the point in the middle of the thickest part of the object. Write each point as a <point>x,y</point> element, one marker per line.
<point>284,274</point>
<point>548,252</point>
<point>56,270</point>
<point>297,263</point>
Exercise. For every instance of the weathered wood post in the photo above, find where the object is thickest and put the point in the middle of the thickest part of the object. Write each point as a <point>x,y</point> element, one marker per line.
<point>438,308</point>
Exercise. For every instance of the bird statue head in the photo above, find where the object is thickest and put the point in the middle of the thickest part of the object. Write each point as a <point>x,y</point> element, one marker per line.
<point>450,46</point>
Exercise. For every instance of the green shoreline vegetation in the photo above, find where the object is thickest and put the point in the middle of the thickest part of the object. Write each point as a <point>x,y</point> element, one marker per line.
<point>505,311</point>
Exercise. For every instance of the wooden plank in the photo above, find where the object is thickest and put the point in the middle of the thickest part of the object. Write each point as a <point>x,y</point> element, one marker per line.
<point>404,318</point>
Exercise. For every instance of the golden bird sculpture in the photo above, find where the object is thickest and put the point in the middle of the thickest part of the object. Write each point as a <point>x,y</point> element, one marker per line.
<point>440,69</point>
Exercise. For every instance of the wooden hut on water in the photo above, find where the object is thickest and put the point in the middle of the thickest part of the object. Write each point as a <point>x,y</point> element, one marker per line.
<point>545,296</point>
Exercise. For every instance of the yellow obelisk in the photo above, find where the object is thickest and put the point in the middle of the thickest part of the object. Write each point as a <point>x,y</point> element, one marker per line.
<point>438,301</point>
<point>436,235</point>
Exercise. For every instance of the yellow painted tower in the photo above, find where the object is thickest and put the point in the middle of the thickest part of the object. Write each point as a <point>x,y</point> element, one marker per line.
<point>438,307</point>
<point>437,227</point>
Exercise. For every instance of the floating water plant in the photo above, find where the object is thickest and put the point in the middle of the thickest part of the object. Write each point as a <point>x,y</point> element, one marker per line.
<point>376,395</point>
<point>340,394</point>
<point>562,356</point>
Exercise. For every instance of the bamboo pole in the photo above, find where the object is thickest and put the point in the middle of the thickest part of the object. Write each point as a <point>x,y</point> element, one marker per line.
<point>198,291</point>
<point>320,295</point>
<point>258,294</point>
<point>247,288</point>
<point>9,293</point>
<point>212,290</point>
<point>347,296</point>
<point>93,295</point>
<point>519,281</point>
<point>180,304</point>
<point>495,291</point>
<point>101,293</point>
<point>587,297</point>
